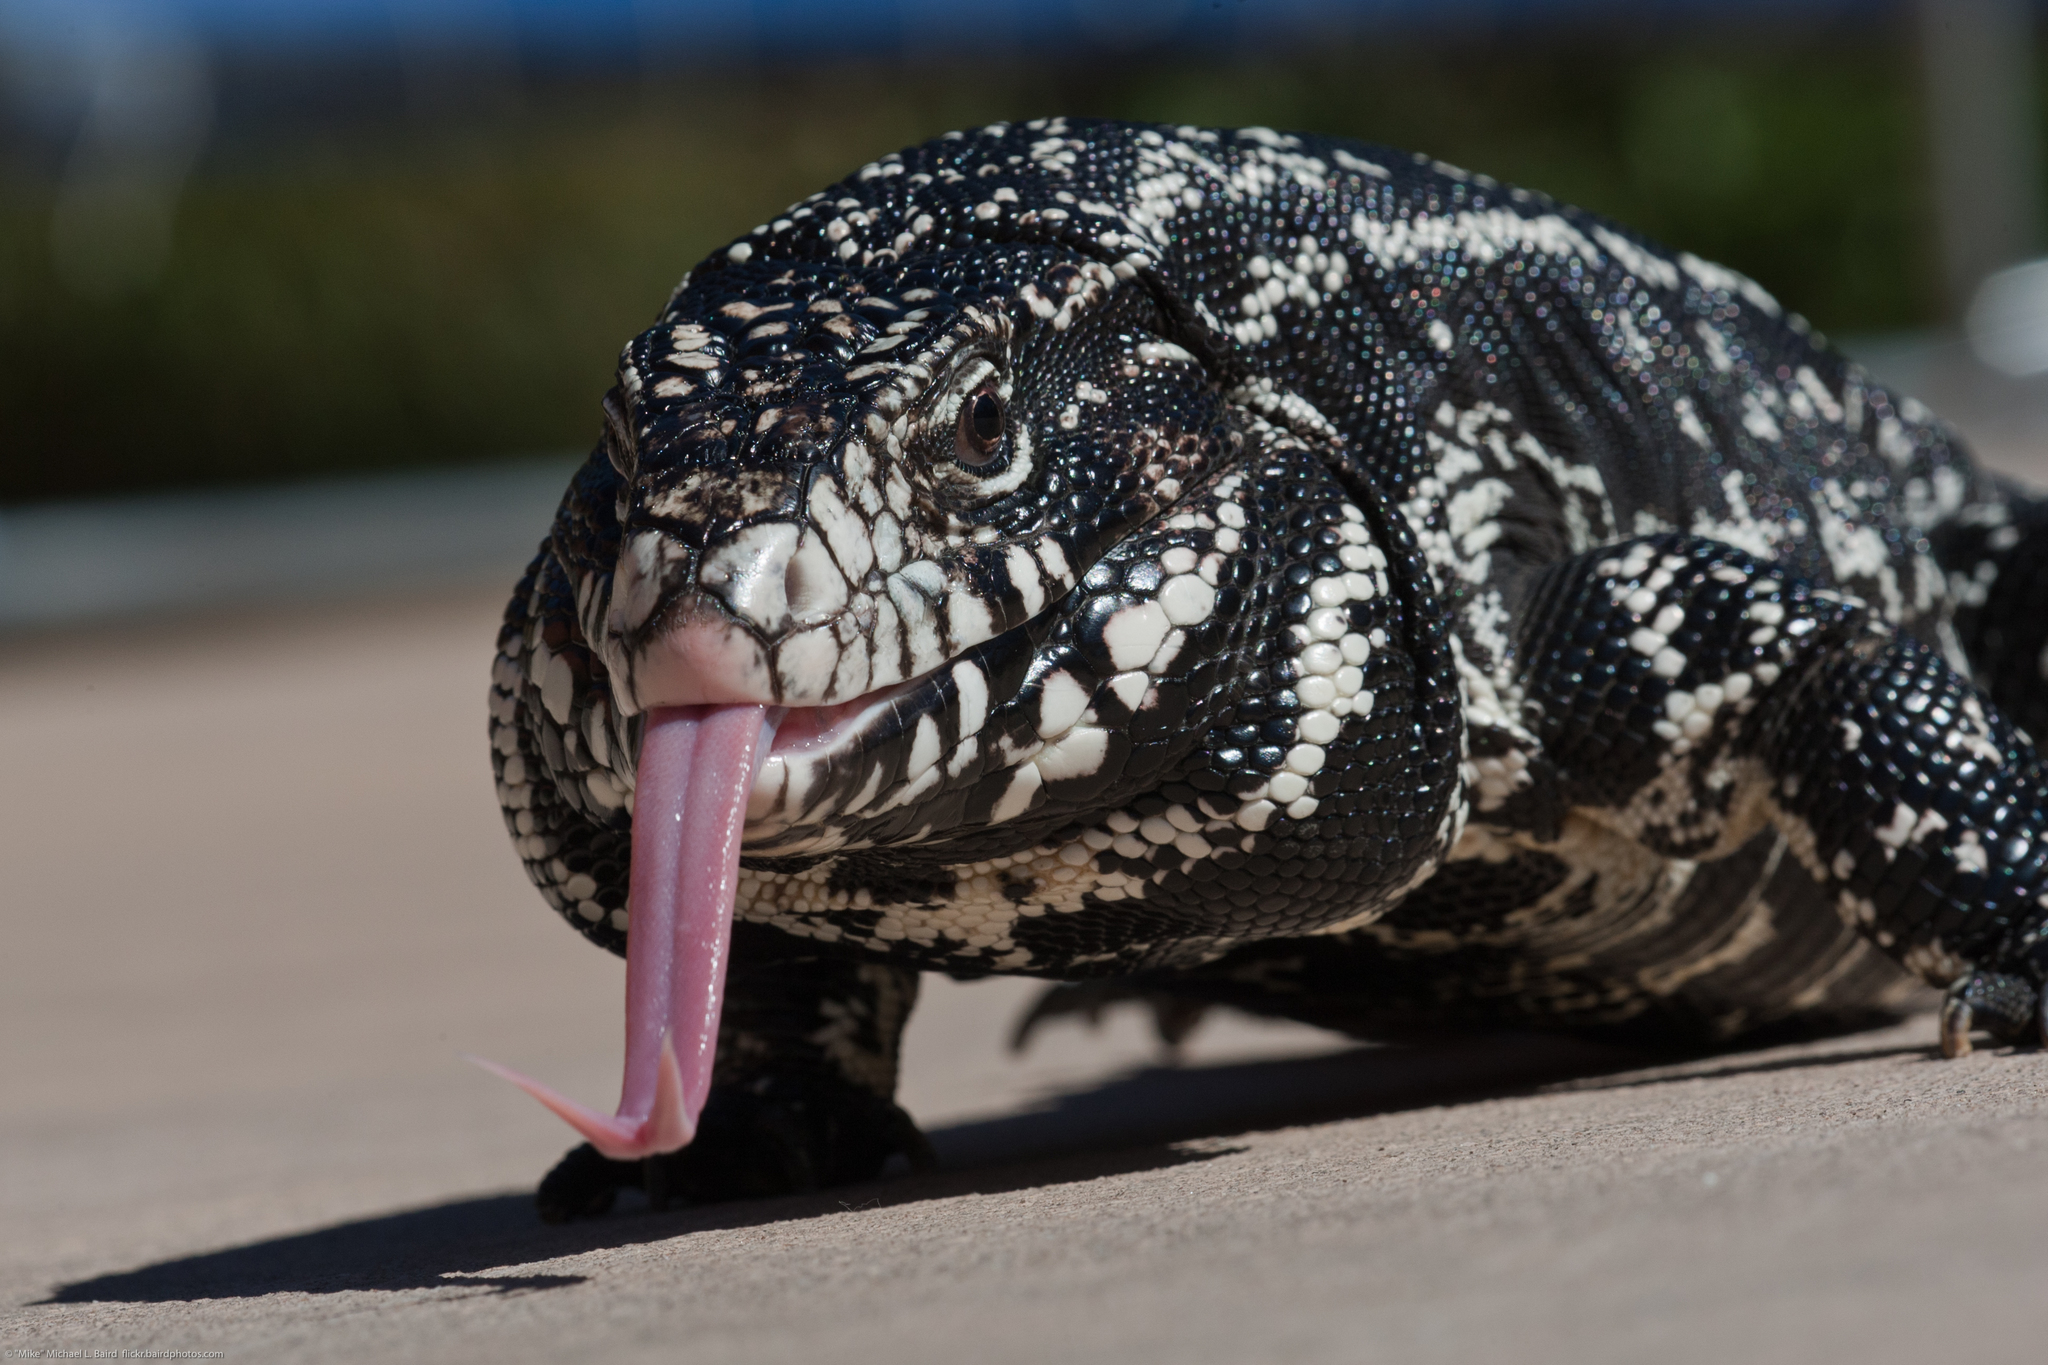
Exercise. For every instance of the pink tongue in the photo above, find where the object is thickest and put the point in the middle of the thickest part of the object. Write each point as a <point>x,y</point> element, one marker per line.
<point>696,771</point>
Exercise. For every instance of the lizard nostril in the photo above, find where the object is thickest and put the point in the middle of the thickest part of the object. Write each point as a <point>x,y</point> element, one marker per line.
<point>812,584</point>
<point>748,573</point>
<point>775,577</point>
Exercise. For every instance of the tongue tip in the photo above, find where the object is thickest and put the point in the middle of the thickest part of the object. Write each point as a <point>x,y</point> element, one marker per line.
<point>673,1122</point>
<point>669,1128</point>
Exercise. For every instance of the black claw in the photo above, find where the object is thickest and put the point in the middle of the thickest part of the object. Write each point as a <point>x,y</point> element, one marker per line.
<point>1956,1018</point>
<point>1174,1017</point>
<point>1085,998</point>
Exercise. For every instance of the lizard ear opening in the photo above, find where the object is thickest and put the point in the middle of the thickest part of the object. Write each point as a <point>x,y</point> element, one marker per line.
<point>1191,327</point>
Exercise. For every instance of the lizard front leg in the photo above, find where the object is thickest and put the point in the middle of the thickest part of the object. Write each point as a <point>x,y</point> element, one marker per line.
<point>1686,692</point>
<point>802,1094</point>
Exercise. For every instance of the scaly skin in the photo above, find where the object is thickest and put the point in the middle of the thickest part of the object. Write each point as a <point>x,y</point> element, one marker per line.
<point>1302,576</point>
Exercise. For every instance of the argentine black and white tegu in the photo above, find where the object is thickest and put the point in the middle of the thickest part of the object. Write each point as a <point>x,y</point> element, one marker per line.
<point>1262,569</point>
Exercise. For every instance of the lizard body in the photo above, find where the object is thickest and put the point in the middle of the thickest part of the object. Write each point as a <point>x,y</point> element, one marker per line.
<point>1266,569</point>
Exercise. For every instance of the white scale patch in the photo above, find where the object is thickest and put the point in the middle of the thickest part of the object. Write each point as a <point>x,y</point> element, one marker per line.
<point>1740,527</point>
<point>1857,550</point>
<point>1454,511</point>
<point>1484,236</point>
<point>1306,278</point>
<point>1330,678</point>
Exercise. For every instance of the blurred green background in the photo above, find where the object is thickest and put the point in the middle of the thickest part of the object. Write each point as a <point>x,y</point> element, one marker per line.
<point>403,292</point>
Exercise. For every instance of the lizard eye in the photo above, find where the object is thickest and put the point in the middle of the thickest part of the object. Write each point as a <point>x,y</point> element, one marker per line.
<point>980,437</point>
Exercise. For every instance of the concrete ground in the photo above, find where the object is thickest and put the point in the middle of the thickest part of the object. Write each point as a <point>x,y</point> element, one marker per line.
<point>259,900</point>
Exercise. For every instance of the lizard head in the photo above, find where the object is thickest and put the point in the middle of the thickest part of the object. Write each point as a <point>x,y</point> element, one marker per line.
<point>838,595</point>
<point>861,496</point>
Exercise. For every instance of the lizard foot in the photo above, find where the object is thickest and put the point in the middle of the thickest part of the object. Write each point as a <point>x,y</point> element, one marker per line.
<point>775,1135</point>
<point>2011,1009</point>
<point>1174,1017</point>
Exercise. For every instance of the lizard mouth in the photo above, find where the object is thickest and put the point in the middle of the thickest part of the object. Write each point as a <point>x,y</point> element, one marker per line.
<point>809,733</point>
<point>818,752</point>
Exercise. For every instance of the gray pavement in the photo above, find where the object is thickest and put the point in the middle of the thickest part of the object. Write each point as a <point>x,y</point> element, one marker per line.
<point>259,900</point>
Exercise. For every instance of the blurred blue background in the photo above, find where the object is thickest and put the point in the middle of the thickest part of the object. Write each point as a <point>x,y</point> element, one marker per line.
<point>275,249</point>
<point>777,29</point>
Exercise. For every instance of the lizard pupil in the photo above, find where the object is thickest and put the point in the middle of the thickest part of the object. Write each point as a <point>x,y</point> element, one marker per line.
<point>981,430</point>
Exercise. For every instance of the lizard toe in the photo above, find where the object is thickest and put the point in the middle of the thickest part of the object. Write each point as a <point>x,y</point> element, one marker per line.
<point>583,1184</point>
<point>2012,1009</point>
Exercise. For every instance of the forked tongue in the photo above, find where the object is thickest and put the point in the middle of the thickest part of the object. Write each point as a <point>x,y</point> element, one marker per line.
<point>696,770</point>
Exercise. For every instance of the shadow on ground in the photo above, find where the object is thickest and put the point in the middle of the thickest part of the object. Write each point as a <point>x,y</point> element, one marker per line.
<point>447,1246</point>
<point>1126,1125</point>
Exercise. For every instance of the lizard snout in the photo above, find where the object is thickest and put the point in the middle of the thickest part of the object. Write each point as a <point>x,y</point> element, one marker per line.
<point>749,618</point>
